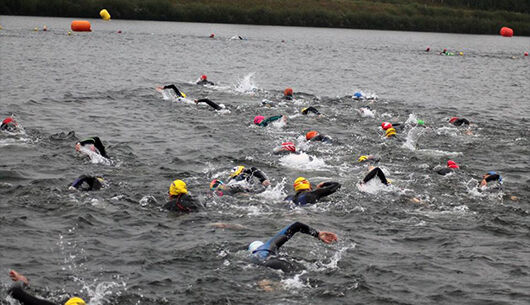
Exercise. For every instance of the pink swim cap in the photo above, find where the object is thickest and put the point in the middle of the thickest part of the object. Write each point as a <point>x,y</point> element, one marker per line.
<point>258,119</point>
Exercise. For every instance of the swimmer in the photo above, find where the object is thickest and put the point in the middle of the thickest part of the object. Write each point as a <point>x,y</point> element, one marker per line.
<point>177,91</point>
<point>285,149</point>
<point>9,124</point>
<point>458,121</point>
<point>288,94</point>
<point>179,199</point>
<point>389,129</point>
<point>241,173</point>
<point>490,176</point>
<point>308,110</point>
<point>451,166</point>
<point>375,171</point>
<point>264,122</point>
<point>306,195</point>
<point>365,111</point>
<point>267,253</point>
<point>358,96</point>
<point>92,183</point>
<point>209,102</point>
<point>94,144</point>
<point>241,180</point>
<point>315,136</point>
<point>368,159</point>
<point>18,293</point>
<point>204,81</point>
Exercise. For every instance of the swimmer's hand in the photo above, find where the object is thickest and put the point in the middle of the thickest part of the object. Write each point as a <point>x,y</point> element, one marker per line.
<point>15,276</point>
<point>266,183</point>
<point>327,237</point>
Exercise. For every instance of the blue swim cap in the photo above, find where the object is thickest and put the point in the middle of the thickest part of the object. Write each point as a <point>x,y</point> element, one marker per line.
<point>492,173</point>
<point>358,94</point>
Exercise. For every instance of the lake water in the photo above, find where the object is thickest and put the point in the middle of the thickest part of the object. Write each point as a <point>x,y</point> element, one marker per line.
<point>457,245</point>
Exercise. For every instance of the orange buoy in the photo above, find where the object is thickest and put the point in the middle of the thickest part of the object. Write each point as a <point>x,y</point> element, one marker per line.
<point>506,32</point>
<point>80,26</point>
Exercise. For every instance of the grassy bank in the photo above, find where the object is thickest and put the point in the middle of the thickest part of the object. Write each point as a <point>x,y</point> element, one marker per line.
<point>455,16</point>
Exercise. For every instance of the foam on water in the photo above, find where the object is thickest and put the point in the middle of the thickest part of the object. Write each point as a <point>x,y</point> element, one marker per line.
<point>303,161</point>
<point>246,85</point>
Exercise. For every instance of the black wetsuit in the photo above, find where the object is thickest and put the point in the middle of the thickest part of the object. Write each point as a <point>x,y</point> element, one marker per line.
<point>304,197</point>
<point>18,293</point>
<point>97,143</point>
<point>210,103</point>
<point>266,254</point>
<point>10,126</point>
<point>310,109</point>
<point>445,171</point>
<point>204,82</point>
<point>248,175</point>
<point>182,203</point>
<point>93,183</point>
<point>322,138</point>
<point>177,92</point>
<point>288,97</point>
<point>376,172</point>
<point>269,120</point>
<point>460,122</point>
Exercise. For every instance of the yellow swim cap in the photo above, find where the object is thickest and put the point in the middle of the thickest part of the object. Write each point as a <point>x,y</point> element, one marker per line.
<point>362,158</point>
<point>236,171</point>
<point>177,187</point>
<point>304,109</point>
<point>301,183</point>
<point>75,301</point>
<point>390,132</point>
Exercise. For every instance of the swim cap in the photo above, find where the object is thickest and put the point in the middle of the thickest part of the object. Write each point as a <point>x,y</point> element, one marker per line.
<point>7,121</point>
<point>311,134</point>
<point>362,158</point>
<point>254,245</point>
<point>386,125</point>
<point>492,173</point>
<point>421,122</point>
<point>236,171</point>
<point>204,77</point>
<point>452,164</point>
<point>100,179</point>
<point>358,94</point>
<point>75,301</point>
<point>453,119</point>
<point>177,187</point>
<point>390,132</point>
<point>215,184</point>
<point>258,119</point>
<point>212,35</point>
<point>301,183</point>
<point>288,91</point>
<point>289,146</point>
<point>304,109</point>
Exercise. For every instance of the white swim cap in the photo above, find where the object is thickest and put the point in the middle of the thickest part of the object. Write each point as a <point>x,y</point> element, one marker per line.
<point>254,246</point>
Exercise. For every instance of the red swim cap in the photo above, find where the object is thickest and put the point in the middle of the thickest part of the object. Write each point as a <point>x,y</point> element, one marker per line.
<point>204,77</point>
<point>289,146</point>
<point>311,134</point>
<point>452,164</point>
<point>386,125</point>
<point>212,35</point>
<point>453,119</point>
<point>288,91</point>
<point>7,121</point>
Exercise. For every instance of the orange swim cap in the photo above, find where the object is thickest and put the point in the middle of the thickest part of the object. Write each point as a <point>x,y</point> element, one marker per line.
<point>311,134</point>
<point>288,91</point>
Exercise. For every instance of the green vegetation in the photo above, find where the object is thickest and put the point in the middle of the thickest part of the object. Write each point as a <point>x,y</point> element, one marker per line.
<point>456,16</point>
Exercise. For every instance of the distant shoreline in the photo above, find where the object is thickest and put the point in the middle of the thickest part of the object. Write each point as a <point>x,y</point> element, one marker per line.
<point>398,15</point>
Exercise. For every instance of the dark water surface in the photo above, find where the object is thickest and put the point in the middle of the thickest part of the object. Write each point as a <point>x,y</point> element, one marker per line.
<point>118,246</point>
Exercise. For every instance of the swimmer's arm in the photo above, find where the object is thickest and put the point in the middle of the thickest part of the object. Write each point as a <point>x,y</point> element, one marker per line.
<point>174,88</point>
<point>286,233</point>
<point>313,110</point>
<point>326,188</point>
<point>209,102</point>
<point>17,292</point>
<point>259,174</point>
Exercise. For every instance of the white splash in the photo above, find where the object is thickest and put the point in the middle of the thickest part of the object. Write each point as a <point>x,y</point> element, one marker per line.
<point>303,161</point>
<point>247,84</point>
<point>95,158</point>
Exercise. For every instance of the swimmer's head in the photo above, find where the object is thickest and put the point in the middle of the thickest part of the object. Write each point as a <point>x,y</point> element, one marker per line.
<point>301,183</point>
<point>420,122</point>
<point>215,184</point>
<point>177,187</point>
<point>288,146</point>
<point>453,119</point>
<point>204,77</point>
<point>310,135</point>
<point>75,301</point>
<point>491,173</point>
<point>304,109</point>
<point>452,164</point>
<point>8,120</point>
<point>386,125</point>
<point>236,171</point>
<point>254,246</point>
<point>358,94</point>
<point>101,180</point>
<point>362,158</point>
<point>390,132</point>
<point>258,119</point>
<point>288,92</point>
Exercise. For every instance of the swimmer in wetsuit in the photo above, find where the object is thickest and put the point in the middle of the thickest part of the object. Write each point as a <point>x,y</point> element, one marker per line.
<point>285,149</point>
<point>375,171</point>
<point>209,102</point>
<point>266,253</point>
<point>458,121</point>
<point>288,94</point>
<point>241,173</point>
<point>451,167</point>
<point>18,292</point>
<point>94,144</point>
<point>241,180</point>
<point>264,122</point>
<point>179,199</point>
<point>490,176</point>
<point>306,195</point>
<point>308,110</point>
<point>368,159</point>
<point>204,81</point>
<point>92,183</point>
<point>315,136</point>
<point>9,124</point>
<point>177,91</point>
